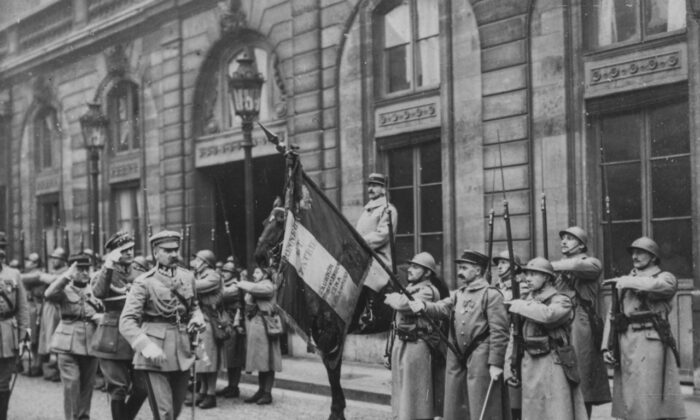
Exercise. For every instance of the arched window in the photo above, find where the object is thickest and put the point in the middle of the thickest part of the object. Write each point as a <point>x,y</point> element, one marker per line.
<point>46,131</point>
<point>409,46</point>
<point>123,112</point>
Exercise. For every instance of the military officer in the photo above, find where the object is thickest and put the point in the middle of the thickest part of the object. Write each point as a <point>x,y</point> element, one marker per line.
<point>159,312</point>
<point>646,383</point>
<point>208,285</point>
<point>373,223</point>
<point>79,313</point>
<point>50,316</point>
<point>127,390</point>
<point>14,325</point>
<point>550,389</point>
<point>479,329</point>
<point>234,347</point>
<point>35,297</point>
<point>413,371</point>
<point>578,275</point>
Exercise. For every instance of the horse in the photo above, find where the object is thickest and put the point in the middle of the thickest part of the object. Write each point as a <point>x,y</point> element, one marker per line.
<point>371,315</point>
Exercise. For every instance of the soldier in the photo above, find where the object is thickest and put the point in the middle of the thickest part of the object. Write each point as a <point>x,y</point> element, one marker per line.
<point>646,383</point>
<point>79,316</point>
<point>35,297</point>
<point>549,374</point>
<point>413,368</point>
<point>479,329</point>
<point>577,277</point>
<point>127,391</point>
<point>234,347</point>
<point>373,223</point>
<point>14,324</point>
<point>159,312</point>
<point>140,264</point>
<point>50,316</point>
<point>208,286</point>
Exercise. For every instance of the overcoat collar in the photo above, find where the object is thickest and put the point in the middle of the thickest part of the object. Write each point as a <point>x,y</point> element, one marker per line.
<point>651,271</point>
<point>377,202</point>
<point>477,284</point>
<point>545,293</point>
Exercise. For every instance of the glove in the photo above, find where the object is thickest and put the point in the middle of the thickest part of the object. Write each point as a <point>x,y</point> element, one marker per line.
<point>608,357</point>
<point>112,258</point>
<point>495,372</point>
<point>416,305</point>
<point>153,352</point>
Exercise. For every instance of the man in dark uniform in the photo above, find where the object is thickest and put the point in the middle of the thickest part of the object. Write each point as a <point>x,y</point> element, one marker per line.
<point>111,284</point>
<point>14,323</point>
<point>35,297</point>
<point>234,347</point>
<point>50,316</point>
<point>159,312</point>
<point>71,341</point>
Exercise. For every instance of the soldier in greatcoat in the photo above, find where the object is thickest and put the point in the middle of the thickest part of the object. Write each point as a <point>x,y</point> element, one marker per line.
<point>79,312</point>
<point>35,297</point>
<point>208,285</point>
<point>127,390</point>
<point>50,316</point>
<point>14,326</point>
<point>578,277</point>
<point>159,312</point>
<point>413,368</point>
<point>374,221</point>
<point>263,352</point>
<point>646,384</point>
<point>479,330</point>
<point>234,347</point>
<point>550,389</point>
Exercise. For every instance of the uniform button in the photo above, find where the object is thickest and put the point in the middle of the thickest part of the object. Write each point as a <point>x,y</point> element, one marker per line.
<point>462,333</point>
<point>464,322</point>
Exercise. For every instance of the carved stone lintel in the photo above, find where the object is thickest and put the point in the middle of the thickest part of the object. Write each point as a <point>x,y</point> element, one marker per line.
<point>231,17</point>
<point>117,61</point>
<point>634,68</point>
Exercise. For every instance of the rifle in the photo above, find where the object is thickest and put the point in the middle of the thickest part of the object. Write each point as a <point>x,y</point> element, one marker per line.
<point>488,266</point>
<point>188,244</point>
<point>545,240</point>
<point>213,239</point>
<point>21,248</point>
<point>66,240</point>
<point>45,251</point>
<point>392,251</point>
<point>614,337</point>
<point>229,237</point>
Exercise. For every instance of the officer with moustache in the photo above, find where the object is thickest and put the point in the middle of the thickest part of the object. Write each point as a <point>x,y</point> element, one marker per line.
<point>35,297</point>
<point>374,221</point>
<point>159,312</point>
<point>79,313</point>
<point>127,390</point>
<point>479,329</point>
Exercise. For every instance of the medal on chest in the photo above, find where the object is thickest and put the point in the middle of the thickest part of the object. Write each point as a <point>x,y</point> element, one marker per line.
<point>467,305</point>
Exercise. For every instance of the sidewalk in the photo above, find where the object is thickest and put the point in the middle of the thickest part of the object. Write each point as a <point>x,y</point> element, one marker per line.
<point>372,383</point>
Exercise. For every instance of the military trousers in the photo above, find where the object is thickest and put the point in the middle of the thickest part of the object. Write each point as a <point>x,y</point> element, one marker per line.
<point>78,377</point>
<point>123,381</point>
<point>166,393</point>
<point>7,368</point>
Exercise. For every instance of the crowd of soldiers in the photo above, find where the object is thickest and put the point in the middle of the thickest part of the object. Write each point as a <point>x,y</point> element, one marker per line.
<point>153,329</point>
<point>536,329</point>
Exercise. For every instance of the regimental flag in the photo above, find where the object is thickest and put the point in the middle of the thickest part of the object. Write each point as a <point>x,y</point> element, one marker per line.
<point>325,264</point>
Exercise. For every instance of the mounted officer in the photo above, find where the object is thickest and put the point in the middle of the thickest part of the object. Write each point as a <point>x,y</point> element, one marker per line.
<point>159,312</point>
<point>374,221</point>
<point>127,390</point>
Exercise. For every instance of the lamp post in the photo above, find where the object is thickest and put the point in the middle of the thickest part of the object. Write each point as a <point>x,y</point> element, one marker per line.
<point>94,127</point>
<point>245,86</point>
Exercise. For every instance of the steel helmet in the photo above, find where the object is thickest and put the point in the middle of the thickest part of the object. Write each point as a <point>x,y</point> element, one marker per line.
<point>577,233</point>
<point>229,267</point>
<point>505,255</point>
<point>139,262</point>
<point>34,257</point>
<point>207,256</point>
<point>645,244</point>
<point>540,265</point>
<point>59,254</point>
<point>424,260</point>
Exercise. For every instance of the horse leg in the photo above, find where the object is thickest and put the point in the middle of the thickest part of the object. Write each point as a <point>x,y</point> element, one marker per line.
<point>337,396</point>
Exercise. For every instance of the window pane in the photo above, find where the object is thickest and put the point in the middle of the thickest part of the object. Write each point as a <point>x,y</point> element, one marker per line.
<point>663,16</point>
<point>398,69</point>
<point>669,130</point>
<point>433,245</point>
<point>402,199</point>
<point>675,240</point>
<point>621,136</point>
<point>670,183</point>
<point>397,26</point>
<point>135,128</point>
<point>430,163</point>
<point>612,21</point>
<point>624,185</point>
<point>431,208</point>
<point>428,20</point>
<point>428,62</point>
<point>622,236</point>
<point>400,167</point>
<point>405,249</point>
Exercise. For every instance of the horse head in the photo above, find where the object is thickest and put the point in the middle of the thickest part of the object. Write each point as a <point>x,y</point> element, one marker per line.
<point>269,248</point>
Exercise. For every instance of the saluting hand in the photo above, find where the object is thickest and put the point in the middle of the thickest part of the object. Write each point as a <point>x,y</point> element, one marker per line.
<point>112,258</point>
<point>153,352</point>
<point>416,305</point>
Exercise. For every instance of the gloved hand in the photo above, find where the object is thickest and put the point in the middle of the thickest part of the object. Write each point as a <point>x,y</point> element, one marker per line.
<point>112,258</point>
<point>608,357</point>
<point>495,372</point>
<point>416,305</point>
<point>153,352</point>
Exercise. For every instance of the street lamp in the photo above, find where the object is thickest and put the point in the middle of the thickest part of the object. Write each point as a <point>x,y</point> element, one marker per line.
<point>94,127</point>
<point>245,86</point>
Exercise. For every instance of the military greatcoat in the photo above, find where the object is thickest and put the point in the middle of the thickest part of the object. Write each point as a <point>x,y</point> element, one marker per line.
<point>472,310</point>
<point>263,354</point>
<point>638,377</point>
<point>234,347</point>
<point>547,394</point>
<point>578,279</point>
<point>14,312</point>
<point>373,225</point>
<point>35,296</point>
<point>50,316</point>
<point>208,285</point>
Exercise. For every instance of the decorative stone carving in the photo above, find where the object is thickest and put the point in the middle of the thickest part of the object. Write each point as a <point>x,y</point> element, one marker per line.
<point>117,60</point>
<point>42,89</point>
<point>407,114</point>
<point>635,68</point>
<point>231,17</point>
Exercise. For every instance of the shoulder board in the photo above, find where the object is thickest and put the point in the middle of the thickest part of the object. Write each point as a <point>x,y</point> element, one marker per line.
<point>148,273</point>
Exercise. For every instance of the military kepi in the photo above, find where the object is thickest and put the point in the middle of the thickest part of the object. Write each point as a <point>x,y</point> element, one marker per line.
<point>377,178</point>
<point>473,257</point>
<point>83,260</point>
<point>120,240</point>
<point>167,239</point>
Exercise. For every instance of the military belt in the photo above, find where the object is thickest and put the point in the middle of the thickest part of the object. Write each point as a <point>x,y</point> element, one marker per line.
<point>160,320</point>
<point>72,318</point>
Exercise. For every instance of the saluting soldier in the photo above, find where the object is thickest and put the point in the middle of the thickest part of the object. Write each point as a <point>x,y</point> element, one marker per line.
<point>550,377</point>
<point>234,347</point>
<point>373,223</point>
<point>159,312</point>
<point>79,312</point>
<point>14,325</point>
<point>646,383</point>
<point>479,329</point>
<point>208,285</point>
<point>578,275</point>
<point>127,390</point>
<point>50,316</point>
<point>414,371</point>
<point>35,297</point>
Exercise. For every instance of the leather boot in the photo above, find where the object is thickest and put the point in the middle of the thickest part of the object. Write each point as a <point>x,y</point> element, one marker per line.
<point>268,381</point>
<point>198,399</point>
<point>259,392</point>
<point>265,398</point>
<point>4,404</point>
<point>209,401</point>
<point>118,410</point>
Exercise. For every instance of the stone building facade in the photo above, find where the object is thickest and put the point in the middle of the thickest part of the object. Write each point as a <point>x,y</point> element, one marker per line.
<point>464,103</point>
